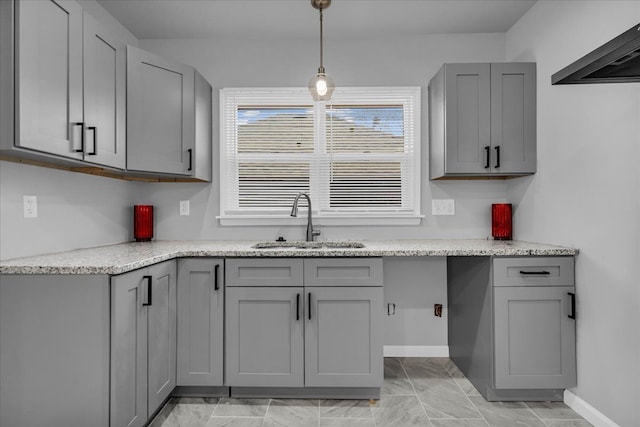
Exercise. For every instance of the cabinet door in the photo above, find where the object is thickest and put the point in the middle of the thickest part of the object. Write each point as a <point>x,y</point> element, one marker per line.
<point>534,338</point>
<point>160,113</point>
<point>513,118</point>
<point>343,337</point>
<point>49,80</point>
<point>104,95</point>
<point>161,333</point>
<point>200,322</point>
<point>264,339</point>
<point>468,121</point>
<point>128,350</point>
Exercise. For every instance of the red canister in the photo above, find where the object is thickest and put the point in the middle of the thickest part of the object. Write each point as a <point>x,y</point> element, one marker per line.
<point>501,228</point>
<point>143,223</point>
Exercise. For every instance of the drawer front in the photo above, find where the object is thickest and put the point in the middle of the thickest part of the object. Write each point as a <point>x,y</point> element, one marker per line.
<point>533,271</point>
<point>343,272</point>
<point>263,272</point>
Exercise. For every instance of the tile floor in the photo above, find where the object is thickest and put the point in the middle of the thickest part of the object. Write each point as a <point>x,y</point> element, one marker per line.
<point>428,392</point>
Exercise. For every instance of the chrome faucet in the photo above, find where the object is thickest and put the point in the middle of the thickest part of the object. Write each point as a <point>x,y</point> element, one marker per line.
<point>311,233</point>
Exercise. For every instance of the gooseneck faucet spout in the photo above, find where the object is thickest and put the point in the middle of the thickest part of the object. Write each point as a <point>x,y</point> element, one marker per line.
<point>311,233</point>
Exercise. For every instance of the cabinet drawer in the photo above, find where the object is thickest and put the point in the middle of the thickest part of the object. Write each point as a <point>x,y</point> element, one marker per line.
<point>343,272</point>
<point>263,272</point>
<point>533,271</point>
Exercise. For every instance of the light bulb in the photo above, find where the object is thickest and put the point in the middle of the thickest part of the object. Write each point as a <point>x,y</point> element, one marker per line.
<point>321,87</point>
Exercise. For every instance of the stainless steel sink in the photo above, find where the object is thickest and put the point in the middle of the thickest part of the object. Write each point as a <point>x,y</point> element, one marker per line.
<point>308,245</point>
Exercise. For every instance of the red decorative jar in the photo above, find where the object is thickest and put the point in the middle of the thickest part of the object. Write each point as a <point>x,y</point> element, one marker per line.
<point>501,227</point>
<point>143,223</point>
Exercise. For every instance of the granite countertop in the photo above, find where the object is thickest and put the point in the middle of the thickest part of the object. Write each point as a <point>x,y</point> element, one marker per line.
<point>123,257</point>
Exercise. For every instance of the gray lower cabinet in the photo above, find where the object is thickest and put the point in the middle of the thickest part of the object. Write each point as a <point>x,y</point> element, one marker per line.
<point>200,314</point>
<point>512,325</point>
<point>282,333</point>
<point>54,350</point>
<point>534,337</point>
<point>143,342</point>
<point>265,336</point>
<point>343,339</point>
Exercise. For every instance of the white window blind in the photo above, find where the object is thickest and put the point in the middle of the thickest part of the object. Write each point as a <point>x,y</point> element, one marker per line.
<point>357,156</point>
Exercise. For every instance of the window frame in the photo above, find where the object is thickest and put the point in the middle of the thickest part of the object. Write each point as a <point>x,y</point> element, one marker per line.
<point>233,98</point>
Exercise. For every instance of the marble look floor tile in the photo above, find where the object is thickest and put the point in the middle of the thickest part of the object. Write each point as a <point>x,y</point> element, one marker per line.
<point>231,407</point>
<point>164,413</point>
<point>553,411</point>
<point>234,422</point>
<point>346,422</point>
<point>399,411</point>
<point>191,412</point>
<point>506,414</point>
<point>292,413</point>
<point>568,423</point>
<point>459,378</point>
<point>442,398</point>
<point>395,379</point>
<point>459,423</point>
<point>345,409</point>
<point>421,367</point>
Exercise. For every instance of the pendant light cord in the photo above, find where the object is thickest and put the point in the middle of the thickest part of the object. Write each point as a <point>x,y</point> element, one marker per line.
<point>321,66</point>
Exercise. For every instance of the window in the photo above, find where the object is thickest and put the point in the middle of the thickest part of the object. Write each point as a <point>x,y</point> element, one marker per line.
<point>357,156</point>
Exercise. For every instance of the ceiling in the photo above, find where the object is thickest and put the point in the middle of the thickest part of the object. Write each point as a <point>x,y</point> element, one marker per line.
<point>153,19</point>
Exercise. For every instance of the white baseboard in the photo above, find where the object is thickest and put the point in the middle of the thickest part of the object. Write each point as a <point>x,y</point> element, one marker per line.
<point>416,351</point>
<point>588,412</point>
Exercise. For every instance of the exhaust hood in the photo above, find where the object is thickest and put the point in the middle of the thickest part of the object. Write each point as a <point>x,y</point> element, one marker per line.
<point>617,61</point>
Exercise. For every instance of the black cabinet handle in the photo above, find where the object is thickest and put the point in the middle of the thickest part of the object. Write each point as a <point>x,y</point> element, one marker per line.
<point>81,124</point>
<point>190,159</point>
<point>297,306</point>
<point>488,152</point>
<point>149,288</point>
<point>216,285</point>
<point>497,156</point>
<point>572,315</point>
<point>309,305</point>
<point>538,273</point>
<point>95,140</point>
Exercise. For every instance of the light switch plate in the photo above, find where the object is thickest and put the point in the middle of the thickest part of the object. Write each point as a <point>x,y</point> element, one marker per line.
<point>184,207</point>
<point>443,207</point>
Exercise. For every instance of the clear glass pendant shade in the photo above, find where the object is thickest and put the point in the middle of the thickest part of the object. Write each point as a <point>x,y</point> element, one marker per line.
<point>321,86</point>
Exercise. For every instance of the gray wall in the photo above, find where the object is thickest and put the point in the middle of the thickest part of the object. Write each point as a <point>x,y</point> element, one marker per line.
<point>586,193</point>
<point>408,61</point>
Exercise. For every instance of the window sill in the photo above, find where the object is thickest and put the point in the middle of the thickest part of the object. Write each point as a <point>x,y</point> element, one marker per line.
<point>266,220</point>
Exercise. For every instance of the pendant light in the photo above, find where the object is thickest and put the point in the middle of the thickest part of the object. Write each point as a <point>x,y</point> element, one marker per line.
<point>321,86</point>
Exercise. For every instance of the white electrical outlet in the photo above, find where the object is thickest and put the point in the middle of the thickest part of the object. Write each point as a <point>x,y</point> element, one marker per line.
<point>184,207</point>
<point>443,207</point>
<point>30,206</point>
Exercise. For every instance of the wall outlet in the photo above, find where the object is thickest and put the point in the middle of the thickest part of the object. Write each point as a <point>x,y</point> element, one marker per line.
<point>184,207</point>
<point>30,206</point>
<point>443,207</point>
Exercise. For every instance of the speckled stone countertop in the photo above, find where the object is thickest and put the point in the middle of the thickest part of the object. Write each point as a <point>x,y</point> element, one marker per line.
<point>120,258</point>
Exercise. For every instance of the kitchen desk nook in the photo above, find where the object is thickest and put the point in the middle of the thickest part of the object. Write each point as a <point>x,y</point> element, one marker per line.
<point>102,336</point>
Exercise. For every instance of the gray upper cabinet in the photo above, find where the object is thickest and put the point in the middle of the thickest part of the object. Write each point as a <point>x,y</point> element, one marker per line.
<point>69,92</point>
<point>104,95</point>
<point>482,120</point>
<point>143,342</point>
<point>200,322</point>
<point>168,117</point>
